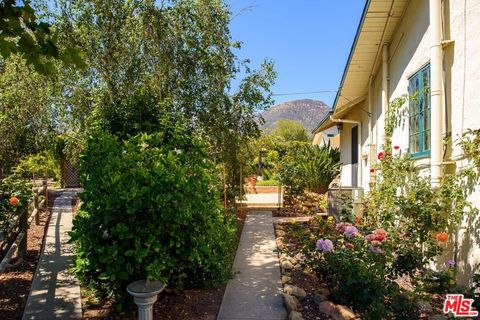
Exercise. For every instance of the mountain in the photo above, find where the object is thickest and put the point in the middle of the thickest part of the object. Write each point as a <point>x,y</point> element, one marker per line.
<point>308,112</point>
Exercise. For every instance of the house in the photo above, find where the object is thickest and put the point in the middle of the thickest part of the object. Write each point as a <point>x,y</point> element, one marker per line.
<point>404,46</point>
<point>330,136</point>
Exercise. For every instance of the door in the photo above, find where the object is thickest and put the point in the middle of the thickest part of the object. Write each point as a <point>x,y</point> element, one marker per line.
<point>354,155</point>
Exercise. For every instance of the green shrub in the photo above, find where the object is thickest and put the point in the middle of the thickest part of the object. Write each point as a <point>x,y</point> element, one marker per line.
<point>150,210</point>
<point>36,165</point>
<point>309,167</point>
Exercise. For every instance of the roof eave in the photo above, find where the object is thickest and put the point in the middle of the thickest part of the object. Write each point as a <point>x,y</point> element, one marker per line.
<point>352,50</point>
<point>321,126</point>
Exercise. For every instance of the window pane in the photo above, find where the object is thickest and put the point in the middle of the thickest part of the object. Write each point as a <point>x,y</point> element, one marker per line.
<point>419,111</point>
<point>426,87</point>
<point>413,95</point>
<point>414,124</point>
<point>414,143</point>
<point>426,119</point>
<point>426,140</point>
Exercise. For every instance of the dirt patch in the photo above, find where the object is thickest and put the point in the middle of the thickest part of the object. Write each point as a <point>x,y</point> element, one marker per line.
<point>199,304</point>
<point>16,281</point>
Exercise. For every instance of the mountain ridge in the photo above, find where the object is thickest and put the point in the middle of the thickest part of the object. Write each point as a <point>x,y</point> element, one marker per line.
<point>308,112</point>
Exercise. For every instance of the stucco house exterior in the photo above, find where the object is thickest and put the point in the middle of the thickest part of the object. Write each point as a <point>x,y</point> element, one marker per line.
<point>330,136</point>
<point>402,46</point>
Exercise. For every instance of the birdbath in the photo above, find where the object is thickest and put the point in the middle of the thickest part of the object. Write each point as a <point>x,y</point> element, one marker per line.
<point>144,294</point>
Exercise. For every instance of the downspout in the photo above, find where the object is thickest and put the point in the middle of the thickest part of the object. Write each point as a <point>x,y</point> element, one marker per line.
<point>384,81</point>
<point>436,92</point>
<point>359,128</point>
<point>370,128</point>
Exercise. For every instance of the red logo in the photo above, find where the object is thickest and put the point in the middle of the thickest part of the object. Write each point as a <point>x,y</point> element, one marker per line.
<point>459,306</point>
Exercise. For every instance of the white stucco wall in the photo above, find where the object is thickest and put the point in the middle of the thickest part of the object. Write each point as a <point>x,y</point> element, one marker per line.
<point>462,64</point>
<point>409,52</point>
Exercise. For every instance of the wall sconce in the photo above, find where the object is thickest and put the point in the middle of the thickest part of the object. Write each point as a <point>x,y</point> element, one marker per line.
<point>339,126</point>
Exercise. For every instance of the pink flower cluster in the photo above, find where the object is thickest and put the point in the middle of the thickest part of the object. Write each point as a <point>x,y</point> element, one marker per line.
<point>342,226</point>
<point>324,245</point>
<point>376,238</point>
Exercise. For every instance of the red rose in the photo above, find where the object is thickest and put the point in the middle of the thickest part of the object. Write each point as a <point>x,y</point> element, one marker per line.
<point>380,155</point>
<point>380,234</point>
<point>442,237</point>
<point>396,147</point>
<point>372,170</point>
<point>14,201</point>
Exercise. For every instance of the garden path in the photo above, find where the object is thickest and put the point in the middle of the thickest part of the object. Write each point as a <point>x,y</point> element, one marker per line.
<point>261,200</point>
<point>255,291</point>
<point>55,294</point>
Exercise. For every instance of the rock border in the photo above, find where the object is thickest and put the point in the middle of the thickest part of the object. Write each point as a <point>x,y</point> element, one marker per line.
<point>293,295</point>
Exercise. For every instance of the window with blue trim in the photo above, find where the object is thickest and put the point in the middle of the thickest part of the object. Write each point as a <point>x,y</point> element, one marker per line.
<point>419,113</point>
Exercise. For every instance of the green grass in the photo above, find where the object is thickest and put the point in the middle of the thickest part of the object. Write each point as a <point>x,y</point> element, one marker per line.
<point>267,183</point>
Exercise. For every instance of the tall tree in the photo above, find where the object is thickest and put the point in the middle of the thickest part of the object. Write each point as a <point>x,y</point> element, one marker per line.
<point>147,58</point>
<point>291,130</point>
<point>21,32</point>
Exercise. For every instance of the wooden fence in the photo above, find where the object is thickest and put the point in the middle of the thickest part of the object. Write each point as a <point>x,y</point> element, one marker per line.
<point>20,225</point>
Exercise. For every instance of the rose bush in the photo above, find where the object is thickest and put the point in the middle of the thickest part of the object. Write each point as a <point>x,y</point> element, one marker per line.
<point>372,269</point>
<point>15,196</point>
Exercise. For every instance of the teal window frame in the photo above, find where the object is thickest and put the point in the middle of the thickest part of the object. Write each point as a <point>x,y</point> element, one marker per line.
<point>419,129</point>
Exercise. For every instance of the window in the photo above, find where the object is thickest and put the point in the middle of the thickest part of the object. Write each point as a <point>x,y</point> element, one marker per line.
<point>419,113</point>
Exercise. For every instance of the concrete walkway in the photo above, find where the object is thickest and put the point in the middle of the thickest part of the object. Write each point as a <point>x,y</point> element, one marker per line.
<point>255,292</point>
<point>55,294</point>
<point>261,200</point>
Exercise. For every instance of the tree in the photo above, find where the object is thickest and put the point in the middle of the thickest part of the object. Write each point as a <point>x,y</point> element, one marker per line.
<point>26,113</point>
<point>291,130</point>
<point>21,32</point>
<point>179,56</point>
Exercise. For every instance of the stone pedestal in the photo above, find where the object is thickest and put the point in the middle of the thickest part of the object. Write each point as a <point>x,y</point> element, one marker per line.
<point>145,294</point>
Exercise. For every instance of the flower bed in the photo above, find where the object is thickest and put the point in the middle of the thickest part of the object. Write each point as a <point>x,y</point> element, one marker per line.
<point>356,267</point>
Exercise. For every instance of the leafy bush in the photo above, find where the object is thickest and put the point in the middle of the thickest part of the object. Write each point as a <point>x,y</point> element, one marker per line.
<point>36,165</point>
<point>320,165</point>
<point>150,210</point>
<point>309,167</point>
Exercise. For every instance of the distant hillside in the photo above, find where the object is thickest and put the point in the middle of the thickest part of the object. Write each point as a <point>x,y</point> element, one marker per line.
<point>308,112</point>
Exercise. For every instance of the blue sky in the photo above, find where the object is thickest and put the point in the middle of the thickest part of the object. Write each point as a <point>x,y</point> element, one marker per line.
<point>309,41</point>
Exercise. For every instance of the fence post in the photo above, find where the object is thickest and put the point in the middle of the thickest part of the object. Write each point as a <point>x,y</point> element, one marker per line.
<point>35,204</point>
<point>46,188</point>
<point>23,227</point>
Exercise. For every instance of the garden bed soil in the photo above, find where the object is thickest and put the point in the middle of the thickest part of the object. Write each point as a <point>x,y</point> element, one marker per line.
<point>201,304</point>
<point>16,281</point>
<point>193,304</point>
